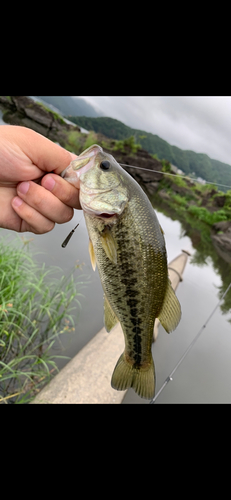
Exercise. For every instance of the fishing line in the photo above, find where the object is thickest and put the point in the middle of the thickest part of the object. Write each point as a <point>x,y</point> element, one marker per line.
<point>167,380</point>
<point>175,175</point>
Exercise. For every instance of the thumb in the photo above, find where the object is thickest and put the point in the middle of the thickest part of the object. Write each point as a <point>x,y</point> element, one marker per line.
<point>49,156</point>
<point>43,153</point>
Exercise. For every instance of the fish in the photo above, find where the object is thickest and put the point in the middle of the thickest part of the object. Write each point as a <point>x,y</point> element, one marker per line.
<point>127,244</point>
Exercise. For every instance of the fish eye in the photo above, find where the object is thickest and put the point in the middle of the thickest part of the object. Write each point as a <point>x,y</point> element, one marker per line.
<point>105,165</point>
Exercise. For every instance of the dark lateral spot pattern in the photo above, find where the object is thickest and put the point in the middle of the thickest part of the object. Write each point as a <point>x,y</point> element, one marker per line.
<point>131,286</point>
<point>131,295</point>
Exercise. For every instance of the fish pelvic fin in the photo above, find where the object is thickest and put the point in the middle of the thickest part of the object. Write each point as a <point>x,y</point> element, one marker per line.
<point>170,313</point>
<point>92,255</point>
<point>142,380</point>
<point>109,245</point>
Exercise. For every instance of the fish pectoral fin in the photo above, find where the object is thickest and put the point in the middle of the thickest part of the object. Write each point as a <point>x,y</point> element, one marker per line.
<point>110,319</point>
<point>170,313</point>
<point>92,255</point>
<point>109,245</point>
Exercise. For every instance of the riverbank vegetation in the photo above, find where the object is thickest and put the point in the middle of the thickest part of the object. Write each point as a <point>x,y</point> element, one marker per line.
<point>35,310</point>
<point>205,202</point>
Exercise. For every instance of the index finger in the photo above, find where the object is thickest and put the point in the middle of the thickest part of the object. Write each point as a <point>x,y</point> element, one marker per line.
<point>62,189</point>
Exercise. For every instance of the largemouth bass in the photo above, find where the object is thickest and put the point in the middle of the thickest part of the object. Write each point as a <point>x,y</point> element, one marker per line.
<point>127,245</point>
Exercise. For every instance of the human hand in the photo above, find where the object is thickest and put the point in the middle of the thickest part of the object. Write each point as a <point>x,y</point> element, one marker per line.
<point>25,156</point>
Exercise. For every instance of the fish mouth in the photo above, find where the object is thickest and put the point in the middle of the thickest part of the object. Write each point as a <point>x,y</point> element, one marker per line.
<point>96,213</point>
<point>106,216</point>
<point>83,163</point>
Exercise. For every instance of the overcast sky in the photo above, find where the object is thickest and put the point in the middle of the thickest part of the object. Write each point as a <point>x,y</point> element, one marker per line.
<point>202,124</point>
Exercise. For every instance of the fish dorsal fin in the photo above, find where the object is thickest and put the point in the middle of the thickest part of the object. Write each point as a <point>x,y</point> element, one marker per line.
<point>109,245</point>
<point>170,313</point>
<point>110,319</point>
<point>92,255</point>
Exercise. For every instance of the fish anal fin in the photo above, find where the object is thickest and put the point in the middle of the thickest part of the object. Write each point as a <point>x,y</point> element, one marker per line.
<point>109,245</point>
<point>92,255</point>
<point>142,380</point>
<point>170,313</point>
<point>110,319</point>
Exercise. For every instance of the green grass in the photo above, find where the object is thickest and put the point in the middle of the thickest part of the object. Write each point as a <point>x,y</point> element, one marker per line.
<point>90,140</point>
<point>180,200</point>
<point>74,142</point>
<point>56,115</point>
<point>205,216</point>
<point>35,308</point>
<point>127,144</point>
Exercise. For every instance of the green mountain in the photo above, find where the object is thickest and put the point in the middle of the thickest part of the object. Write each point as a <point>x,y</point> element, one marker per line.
<point>188,161</point>
<point>70,106</point>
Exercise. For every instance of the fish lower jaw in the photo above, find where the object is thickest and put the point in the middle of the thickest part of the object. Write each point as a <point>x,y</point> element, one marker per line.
<point>72,178</point>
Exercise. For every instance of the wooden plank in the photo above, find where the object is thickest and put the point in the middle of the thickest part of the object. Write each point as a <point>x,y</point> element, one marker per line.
<point>175,271</point>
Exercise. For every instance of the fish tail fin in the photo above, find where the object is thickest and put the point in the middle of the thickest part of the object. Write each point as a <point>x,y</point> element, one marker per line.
<point>142,380</point>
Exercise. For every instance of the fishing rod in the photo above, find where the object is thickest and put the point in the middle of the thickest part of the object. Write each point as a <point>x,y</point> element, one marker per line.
<point>169,378</point>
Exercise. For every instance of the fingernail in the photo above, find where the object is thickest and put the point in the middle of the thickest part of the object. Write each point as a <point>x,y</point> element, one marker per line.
<point>23,187</point>
<point>48,183</point>
<point>16,202</point>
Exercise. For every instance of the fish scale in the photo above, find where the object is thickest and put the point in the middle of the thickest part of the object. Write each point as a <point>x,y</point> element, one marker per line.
<point>133,288</point>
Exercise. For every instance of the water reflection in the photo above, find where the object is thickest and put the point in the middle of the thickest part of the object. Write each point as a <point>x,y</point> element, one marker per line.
<point>204,252</point>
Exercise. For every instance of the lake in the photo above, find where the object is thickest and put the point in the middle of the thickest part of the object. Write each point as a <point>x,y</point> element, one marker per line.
<point>204,375</point>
